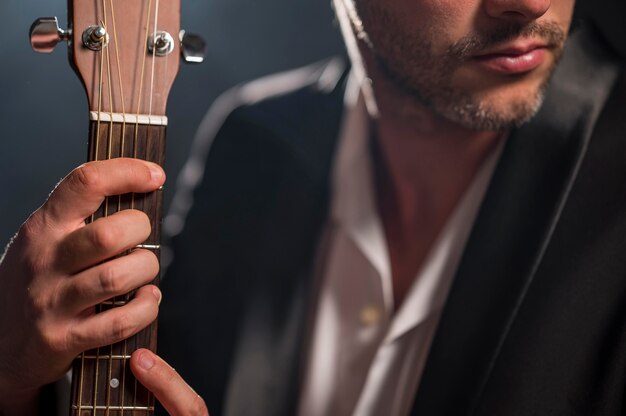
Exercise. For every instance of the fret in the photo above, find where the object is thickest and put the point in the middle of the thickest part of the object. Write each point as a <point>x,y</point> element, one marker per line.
<point>127,408</point>
<point>105,357</point>
<point>114,303</point>
<point>149,246</point>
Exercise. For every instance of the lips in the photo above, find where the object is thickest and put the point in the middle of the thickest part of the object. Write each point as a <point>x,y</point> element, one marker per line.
<point>514,60</point>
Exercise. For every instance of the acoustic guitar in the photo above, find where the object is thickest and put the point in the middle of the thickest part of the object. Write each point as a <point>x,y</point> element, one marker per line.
<point>126,53</point>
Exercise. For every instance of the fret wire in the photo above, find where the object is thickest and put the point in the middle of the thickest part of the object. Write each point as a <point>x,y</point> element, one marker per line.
<point>147,408</point>
<point>149,246</point>
<point>115,303</point>
<point>107,357</point>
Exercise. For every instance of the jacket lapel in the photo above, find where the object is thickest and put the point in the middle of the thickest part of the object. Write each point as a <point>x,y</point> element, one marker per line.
<point>519,213</point>
<point>268,362</point>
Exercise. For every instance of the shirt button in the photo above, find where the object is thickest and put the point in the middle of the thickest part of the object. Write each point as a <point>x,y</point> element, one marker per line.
<point>370,315</point>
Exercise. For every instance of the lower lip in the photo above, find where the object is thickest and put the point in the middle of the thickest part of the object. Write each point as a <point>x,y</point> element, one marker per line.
<point>514,64</point>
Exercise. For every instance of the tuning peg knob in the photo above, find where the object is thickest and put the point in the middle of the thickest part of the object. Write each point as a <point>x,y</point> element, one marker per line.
<point>192,47</point>
<point>45,33</point>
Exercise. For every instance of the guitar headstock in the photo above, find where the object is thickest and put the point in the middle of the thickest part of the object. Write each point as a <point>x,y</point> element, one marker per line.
<point>126,53</point>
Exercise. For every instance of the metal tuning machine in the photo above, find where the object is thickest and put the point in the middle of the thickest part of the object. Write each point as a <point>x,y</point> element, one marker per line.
<point>45,34</point>
<point>192,47</point>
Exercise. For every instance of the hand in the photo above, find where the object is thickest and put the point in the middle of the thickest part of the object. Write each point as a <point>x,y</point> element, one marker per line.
<point>168,387</point>
<point>57,269</point>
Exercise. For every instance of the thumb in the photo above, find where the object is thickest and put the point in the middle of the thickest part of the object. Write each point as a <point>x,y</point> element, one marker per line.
<point>166,384</point>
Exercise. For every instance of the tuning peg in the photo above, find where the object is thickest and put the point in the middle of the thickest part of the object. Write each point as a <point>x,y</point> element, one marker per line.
<point>45,33</point>
<point>192,47</point>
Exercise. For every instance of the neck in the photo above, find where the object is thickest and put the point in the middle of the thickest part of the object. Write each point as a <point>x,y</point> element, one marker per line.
<point>424,165</point>
<point>425,158</point>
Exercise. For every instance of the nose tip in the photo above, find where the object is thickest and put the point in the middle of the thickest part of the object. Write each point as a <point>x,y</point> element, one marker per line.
<point>521,10</point>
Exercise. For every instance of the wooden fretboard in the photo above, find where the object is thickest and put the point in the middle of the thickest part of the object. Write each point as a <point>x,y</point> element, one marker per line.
<point>102,383</point>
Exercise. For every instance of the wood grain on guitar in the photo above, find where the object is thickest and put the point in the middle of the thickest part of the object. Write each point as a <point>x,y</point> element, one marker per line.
<point>127,54</point>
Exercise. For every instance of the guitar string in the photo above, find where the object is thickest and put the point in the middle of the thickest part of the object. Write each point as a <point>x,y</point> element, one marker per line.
<point>156,18</point>
<point>143,69</point>
<point>121,154</point>
<point>119,201</point>
<point>149,397</point>
<point>95,148</point>
<point>135,145</point>
<point>106,200</point>
<point>122,100</point>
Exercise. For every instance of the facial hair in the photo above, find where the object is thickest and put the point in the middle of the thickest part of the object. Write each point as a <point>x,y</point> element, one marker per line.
<point>409,62</point>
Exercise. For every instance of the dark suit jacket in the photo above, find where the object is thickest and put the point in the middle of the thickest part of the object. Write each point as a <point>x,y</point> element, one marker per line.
<point>535,323</point>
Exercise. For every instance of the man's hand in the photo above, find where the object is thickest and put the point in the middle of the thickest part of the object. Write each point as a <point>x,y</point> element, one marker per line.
<point>168,387</point>
<point>57,269</point>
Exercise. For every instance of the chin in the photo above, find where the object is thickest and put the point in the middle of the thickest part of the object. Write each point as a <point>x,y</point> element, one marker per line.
<point>491,113</point>
<point>496,108</point>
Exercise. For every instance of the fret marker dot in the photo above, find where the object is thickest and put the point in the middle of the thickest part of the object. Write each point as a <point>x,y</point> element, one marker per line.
<point>115,383</point>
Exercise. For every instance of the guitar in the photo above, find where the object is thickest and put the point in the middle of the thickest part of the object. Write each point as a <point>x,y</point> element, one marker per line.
<point>126,53</point>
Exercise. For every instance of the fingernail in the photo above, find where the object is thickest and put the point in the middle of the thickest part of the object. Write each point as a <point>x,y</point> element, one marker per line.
<point>145,361</point>
<point>158,295</point>
<point>156,173</point>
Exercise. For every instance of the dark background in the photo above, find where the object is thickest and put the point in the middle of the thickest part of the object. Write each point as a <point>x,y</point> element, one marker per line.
<point>43,111</point>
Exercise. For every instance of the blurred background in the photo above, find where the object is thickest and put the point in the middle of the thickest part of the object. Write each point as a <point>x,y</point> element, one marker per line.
<point>43,109</point>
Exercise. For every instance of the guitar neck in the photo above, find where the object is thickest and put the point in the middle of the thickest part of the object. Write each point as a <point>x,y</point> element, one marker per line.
<point>102,383</point>
<point>126,54</point>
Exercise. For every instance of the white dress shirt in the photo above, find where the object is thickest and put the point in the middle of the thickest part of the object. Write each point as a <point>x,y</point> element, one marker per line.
<point>363,359</point>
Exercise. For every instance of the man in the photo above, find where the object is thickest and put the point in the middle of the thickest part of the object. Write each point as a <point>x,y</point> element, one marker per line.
<point>362,253</point>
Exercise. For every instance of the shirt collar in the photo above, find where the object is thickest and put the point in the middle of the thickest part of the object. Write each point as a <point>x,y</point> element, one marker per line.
<point>354,209</point>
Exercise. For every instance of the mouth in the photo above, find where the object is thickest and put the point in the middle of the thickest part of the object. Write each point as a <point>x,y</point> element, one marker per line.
<point>514,59</point>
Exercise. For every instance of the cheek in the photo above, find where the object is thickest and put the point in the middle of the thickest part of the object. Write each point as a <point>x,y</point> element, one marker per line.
<point>442,21</point>
<point>561,12</point>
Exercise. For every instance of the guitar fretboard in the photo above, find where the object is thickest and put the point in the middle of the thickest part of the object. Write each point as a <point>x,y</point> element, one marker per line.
<point>102,382</point>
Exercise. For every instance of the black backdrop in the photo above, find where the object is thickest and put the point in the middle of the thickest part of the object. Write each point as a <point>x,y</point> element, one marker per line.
<point>43,113</point>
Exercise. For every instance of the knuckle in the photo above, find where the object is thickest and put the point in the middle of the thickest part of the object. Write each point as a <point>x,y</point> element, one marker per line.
<point>85,177</point>
<point>36,265</point>
<point>31,229</point>
<point>110,280</point>
<point>55,339</point>
<point>75,340</point>
<point>122,327</point>
<point>198,407</point>
<point>40,305</point>
<point>106,238</point>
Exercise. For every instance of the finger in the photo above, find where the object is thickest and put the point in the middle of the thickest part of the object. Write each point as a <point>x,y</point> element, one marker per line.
<point>80,193</point>
<point>116,324</point>
<point>104,238</point>
<point>105,281</point>
<point>168,387</point>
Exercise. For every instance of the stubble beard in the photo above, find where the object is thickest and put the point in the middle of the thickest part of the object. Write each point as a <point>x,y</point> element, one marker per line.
<point>409,63</point>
